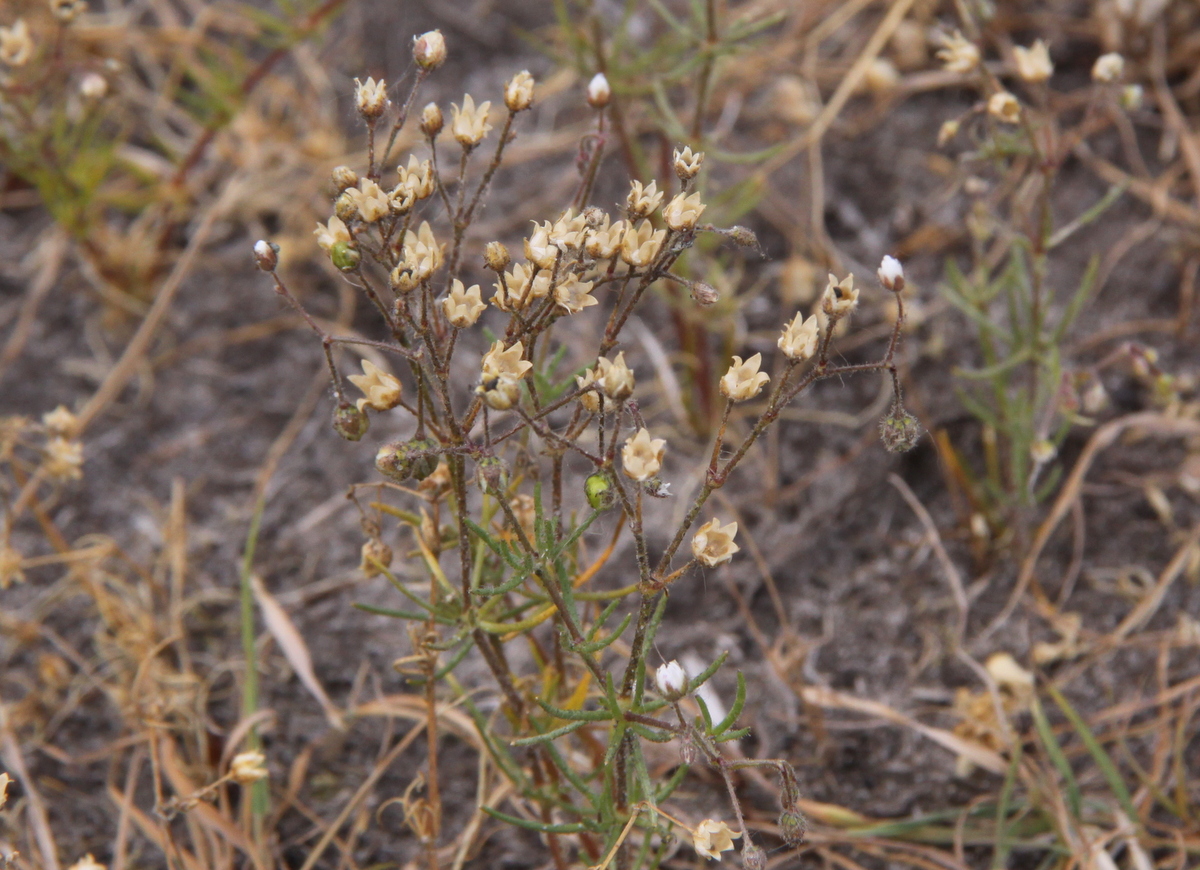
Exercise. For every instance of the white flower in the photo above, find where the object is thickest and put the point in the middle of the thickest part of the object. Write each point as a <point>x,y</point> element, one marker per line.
<point>642,456</point>
<point>671,680</point>
<point>711,838</point>
<point>598,91</point>
<point>1108,67</point>
<point>800,337</point>
<point>469,124</point>
<point>713,545</point>
<point>1033,63</point>
<point>891,274</point>
<point>1005,107</point>
<point>743,380</point>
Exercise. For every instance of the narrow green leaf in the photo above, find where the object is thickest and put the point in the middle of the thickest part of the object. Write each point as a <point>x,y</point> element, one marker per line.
<point>1057,757</point>
<point>533,825</point>
<point>1103,759</point>
<point>739,701</point>
<point>549,735</point>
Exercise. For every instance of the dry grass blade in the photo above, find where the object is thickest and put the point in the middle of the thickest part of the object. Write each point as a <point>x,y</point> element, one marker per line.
<point>39,819</point>
<point>294,649</point>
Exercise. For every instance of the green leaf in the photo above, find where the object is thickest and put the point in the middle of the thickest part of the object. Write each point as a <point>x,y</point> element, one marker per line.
<point>1103,759</point>
<point>1057,757</point>
<point>549,735</point>
<point>575,715</point>
<point>739,702</point>
<point>532,825</point>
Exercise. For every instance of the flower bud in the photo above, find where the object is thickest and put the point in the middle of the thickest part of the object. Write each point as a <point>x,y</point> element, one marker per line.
<point>345,207</point>
<point>431,120</point>
<point>1131,97</point>
<point>792,825</point>
<point>496,257</point>
<point>266,255</point>
<point>350,422</point>
<point>518,93</point>
<point>429,50</point>
<point>598,91</point>
<point>745,237</point>
<point>891,274</point>
<point>687,163</point>
<point>248,767</point>
<point>704,294</point>
<point>753,858</point>
<point>392,462</point>
<point>423,457</point>
<point>671,680</point>
<point>343,177</point>
<point>899,430</point>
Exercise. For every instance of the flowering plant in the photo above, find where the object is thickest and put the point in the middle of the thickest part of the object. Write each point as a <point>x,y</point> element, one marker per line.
<point>498,533</point>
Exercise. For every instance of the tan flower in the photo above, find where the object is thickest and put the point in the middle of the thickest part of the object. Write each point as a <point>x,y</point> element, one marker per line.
<point>713,545</point>
<point>505,364</point>
<point>569,231</point>
<point>60,421</point>
<point>370,97</point>
<point>1004,106</point>
<point>539,250</point>
<point>422,252</point>
<point>87,862</point>
<point>64,459</point>
<point>381,390</point>
<point>881,76</point>
<point>682,212</point>
<point>605,240</point>
<point>1108,68</point>
<point>711,838</point>
<point>1033,63</point>
<point>743,380</point>
<point>5,779</point>
<point>591,398</point>
<point>520,287</point>
<point>615,378</point>
<point>499,394</point>
<point>687,163</point>
<point>642,455</point>
<point>16,45</point>
<point>469,124</point>
<point>639,247</point>
<point>518,93</point>
<point>374,554</point>
<point>10,569</point>
<point>370,200</point>
<point>642,201</point>
<point>800,337</point>
<point>417,177</point>
<point>840,297</point>
<point>331,233</point>
<point>573,295</point>
<point>248,767</point>
<point>463,307</point>
<point>958,54</point>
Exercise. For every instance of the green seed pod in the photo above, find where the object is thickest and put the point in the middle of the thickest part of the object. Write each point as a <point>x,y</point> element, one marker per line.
<point>393,463</point>
<point>344,257</point>
<point>792,825</point>
<point>491,473</point>
<point>599,492</point>
<point>423,457</point>
<point>350,422</point>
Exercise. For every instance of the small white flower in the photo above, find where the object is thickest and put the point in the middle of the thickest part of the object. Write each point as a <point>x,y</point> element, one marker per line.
<point>891,274</point>
<point>598,91</point>
<point>671,680</point>
<point>1108,67</point>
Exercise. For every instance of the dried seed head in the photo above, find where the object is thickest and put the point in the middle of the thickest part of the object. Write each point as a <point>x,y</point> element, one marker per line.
<point>518,93</point>
<point>598,91</point>
<point>370,201</point>
<point>840,297</point>
<point>429,50</point>
<point>266,255</point>
<point>899,430</point>
<point>744,237</point>
<point>492,473</point>
<point>496,257</point>
<point>615,377</point>
<point>642,201</point>
<point>640,247</point>
<point>371,98</point>
<point>753,857</point>
<point>431,120</point>
<point>374,556</point>
<point>63,459</point>
<point>350,421</point>
<point>343,177</point>
<point>60,422</point>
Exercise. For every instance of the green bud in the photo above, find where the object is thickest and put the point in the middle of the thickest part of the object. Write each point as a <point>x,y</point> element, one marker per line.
<point>344,257</point>
<point>598,488</point>
<point>423,457</point>
<point>792,825</point>
<point>393,463</point>
<point>350,422</point>
<point>491,473</point>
